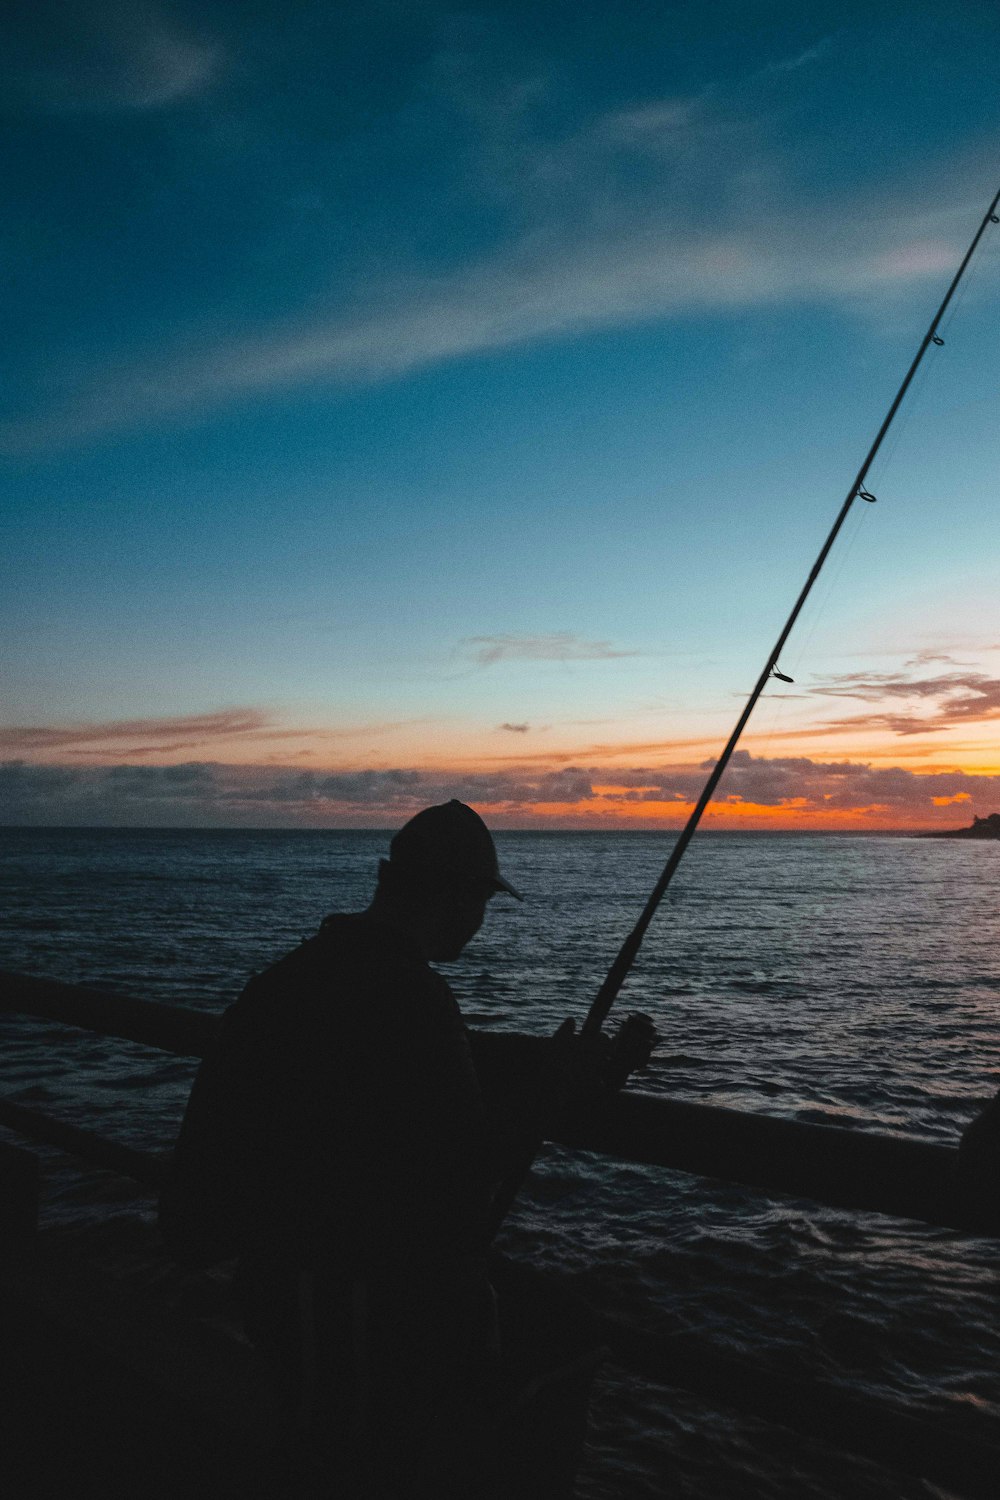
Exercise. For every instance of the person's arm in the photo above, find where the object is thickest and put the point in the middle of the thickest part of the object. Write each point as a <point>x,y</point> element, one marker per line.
<point>528,1082</point>
<point>531,1084</point>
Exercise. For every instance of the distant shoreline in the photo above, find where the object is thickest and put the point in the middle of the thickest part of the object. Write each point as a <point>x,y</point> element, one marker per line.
<point>980,830</point>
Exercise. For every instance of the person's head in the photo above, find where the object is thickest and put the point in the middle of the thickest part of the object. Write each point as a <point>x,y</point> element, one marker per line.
<point>441,872</point>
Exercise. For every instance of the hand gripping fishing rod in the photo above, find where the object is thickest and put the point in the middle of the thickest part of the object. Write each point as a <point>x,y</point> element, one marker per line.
<point>618,972</point>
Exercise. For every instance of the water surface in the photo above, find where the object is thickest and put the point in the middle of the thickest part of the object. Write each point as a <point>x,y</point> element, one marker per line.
<point>847,979</point>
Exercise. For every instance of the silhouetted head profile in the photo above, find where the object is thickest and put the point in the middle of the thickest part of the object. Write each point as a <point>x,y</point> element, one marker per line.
<point>441,871</point>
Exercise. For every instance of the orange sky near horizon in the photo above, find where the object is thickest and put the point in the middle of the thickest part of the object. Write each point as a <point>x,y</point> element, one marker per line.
<point>797,775</point>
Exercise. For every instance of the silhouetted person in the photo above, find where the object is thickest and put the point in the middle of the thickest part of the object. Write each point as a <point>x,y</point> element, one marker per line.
<point>347,1143</point>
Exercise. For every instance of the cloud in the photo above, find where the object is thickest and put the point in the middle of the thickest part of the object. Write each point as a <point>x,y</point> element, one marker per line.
<point>100,741</point>
<point>94,56</point>
<point>847,785</point>
<point>613,750</point>
<point>140,780</point>
<point>127,795</point>
<point>650,126</point>
<point>797,789</point>
<point>158,733</point>
<point>928,655</point>
<point>922,257</point>
<point>487,650</point>
<point>200,793</point>
<point>801,59</point>
<point>805,786</point>
<point>936,703</point>
<point>670,207</point>
<point>515,728</point>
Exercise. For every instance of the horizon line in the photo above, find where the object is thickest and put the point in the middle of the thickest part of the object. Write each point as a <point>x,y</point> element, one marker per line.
<point>630,828</point>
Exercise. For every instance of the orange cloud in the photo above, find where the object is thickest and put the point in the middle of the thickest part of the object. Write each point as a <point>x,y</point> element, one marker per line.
<point>931,703</point>
<point>241,731</point>
<point>224,724</point>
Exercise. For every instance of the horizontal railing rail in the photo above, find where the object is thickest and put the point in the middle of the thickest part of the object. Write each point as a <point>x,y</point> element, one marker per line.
<point>151,1168</point>
<point>169,1028</point>
<point>854,1169</point>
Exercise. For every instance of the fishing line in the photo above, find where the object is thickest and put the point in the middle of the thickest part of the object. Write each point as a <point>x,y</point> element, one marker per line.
<point>929,373</point>
<point>814,615</point>
<point>933,368</point>
<point>859,490</point>
<point>977,271</point>
<point>780,705</point>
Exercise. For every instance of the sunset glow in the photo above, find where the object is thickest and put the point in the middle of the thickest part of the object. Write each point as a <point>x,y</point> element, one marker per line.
<point>456,407</point>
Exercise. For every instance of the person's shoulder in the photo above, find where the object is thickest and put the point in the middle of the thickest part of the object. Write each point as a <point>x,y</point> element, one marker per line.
<point>339,943</point>
<point>395,971</point>
<point>292,970</point>
<point>356,970</point>
<point>274,997</point>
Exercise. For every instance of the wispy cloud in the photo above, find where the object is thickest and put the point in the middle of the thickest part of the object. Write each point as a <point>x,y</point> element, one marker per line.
<point>929,655</point>
<point>934,703</point>
<point>167,735</point>
<point>654,125</point>
<point>667,208</point>
<point>801,59</point>
<point>157,733</point>
<point>487,650</point>
<point>515,728</point>
<point>107,55</point>
<point>644,275</point>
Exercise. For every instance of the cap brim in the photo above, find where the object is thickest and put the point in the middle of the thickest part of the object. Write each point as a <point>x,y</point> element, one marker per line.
<point>499,884</point>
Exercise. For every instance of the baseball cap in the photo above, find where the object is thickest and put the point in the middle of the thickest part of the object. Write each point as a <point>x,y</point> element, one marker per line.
<point>450,840</point>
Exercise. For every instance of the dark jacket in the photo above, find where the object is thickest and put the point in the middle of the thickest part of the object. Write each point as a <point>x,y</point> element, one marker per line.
<point>340,1121</point>
<point>349,1142</point>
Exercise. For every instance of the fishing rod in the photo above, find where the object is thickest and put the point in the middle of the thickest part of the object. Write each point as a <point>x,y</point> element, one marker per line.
<point>618,972</point>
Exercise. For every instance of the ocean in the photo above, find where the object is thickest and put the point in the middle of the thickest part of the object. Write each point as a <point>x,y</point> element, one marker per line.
<point>846,979</point>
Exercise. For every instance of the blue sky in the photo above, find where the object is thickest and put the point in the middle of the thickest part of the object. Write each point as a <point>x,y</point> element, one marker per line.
<point>460,396</point>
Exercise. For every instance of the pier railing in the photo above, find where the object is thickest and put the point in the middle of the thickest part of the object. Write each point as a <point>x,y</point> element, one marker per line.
<point>853,1169</point>
<point>841,1168</point>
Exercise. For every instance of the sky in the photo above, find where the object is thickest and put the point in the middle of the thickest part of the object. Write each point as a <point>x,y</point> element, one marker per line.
<point>405,401</point>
